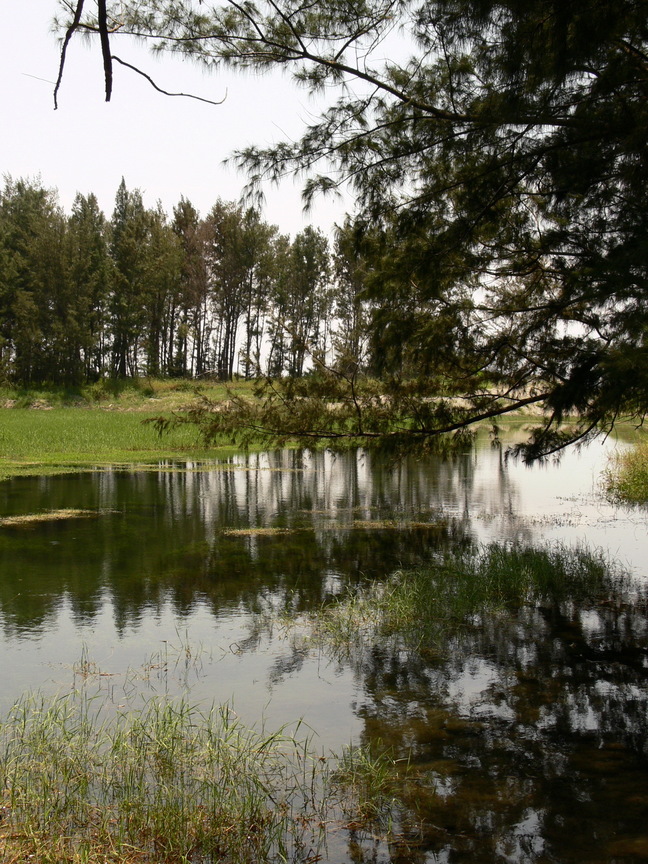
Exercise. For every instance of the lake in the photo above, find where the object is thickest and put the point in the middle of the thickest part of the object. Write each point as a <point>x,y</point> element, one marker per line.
<point>529,736</point>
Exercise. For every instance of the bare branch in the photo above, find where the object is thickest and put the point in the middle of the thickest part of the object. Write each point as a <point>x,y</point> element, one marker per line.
<point>68,35</point>
<point>105,47</point>
<point>166,92</point>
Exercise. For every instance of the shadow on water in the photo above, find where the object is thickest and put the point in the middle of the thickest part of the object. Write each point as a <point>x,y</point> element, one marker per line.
<point>525,736</point>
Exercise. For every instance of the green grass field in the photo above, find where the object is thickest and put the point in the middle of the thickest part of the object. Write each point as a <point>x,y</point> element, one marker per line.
<point>53,431</point>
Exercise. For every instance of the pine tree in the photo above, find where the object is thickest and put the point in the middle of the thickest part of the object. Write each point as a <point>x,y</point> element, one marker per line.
<point>129,239</point>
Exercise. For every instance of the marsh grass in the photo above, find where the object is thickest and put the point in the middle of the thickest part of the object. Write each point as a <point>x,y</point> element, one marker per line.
<point>149,779</point>
<point>425,606</point>
<point>626,478</point>
<point>371,784</point>
<point>167,783</point>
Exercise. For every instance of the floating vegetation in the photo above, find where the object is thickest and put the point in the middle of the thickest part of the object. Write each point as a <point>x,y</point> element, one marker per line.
<point>261,532</point>
<point>50,516</point>
<point>357,525</point>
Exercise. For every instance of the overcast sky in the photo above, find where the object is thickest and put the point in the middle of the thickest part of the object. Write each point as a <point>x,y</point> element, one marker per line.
<point>166,147</point>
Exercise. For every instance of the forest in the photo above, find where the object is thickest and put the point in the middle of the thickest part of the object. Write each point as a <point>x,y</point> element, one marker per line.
<point>84,296</point>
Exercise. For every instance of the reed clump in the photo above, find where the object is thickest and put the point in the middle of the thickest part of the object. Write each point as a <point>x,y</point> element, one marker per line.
<point>626,478</point>
<point>371,784</point>
<point>167,783</point>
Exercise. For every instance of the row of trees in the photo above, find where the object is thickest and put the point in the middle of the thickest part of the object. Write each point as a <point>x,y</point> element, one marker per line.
<point>83,296</point>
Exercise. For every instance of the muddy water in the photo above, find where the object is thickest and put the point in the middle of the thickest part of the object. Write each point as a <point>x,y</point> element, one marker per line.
<point>528,735</point>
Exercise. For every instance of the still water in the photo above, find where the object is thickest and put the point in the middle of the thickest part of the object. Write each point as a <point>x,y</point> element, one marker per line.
<point>529,736</point>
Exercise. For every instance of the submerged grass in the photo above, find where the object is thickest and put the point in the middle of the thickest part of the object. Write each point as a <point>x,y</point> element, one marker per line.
<point>425,606</point>
<point>626,478</point>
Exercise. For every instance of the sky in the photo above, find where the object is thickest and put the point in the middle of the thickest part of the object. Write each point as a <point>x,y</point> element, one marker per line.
<point>166,147</point>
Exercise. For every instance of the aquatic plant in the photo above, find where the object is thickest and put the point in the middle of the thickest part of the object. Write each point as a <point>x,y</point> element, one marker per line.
<point>169,782</point>
<point>86,781</point>
<point>371,781</point>
<point>424,606</point>
<point>626,478</point>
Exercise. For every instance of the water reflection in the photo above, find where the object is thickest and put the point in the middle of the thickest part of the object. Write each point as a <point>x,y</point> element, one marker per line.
<point>528,733</point>
<point>271,521</point>
<point>529,737</point>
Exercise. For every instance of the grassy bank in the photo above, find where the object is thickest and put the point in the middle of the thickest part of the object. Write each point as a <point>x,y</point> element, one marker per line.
<point>56,430</point>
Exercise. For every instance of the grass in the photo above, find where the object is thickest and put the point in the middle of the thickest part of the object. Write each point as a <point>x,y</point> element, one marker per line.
<point>424,606</point>
<point>171,782</point>
<point>167,783</point>
<point>131,394</point>
<point>626,478</point>
<point>372,784</point>
<point>101,424</point>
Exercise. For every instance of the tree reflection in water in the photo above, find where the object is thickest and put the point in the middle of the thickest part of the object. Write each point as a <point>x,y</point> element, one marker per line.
<point>527,737</point>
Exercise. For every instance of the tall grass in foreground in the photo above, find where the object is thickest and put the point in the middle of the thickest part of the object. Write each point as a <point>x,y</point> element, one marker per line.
<point>166,783</point>
<point>626,478</point>
<point>171,782</point>
<point>426,605</point>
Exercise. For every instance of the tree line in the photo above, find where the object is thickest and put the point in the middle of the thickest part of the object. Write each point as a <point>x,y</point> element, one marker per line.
<point>143,293</point>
